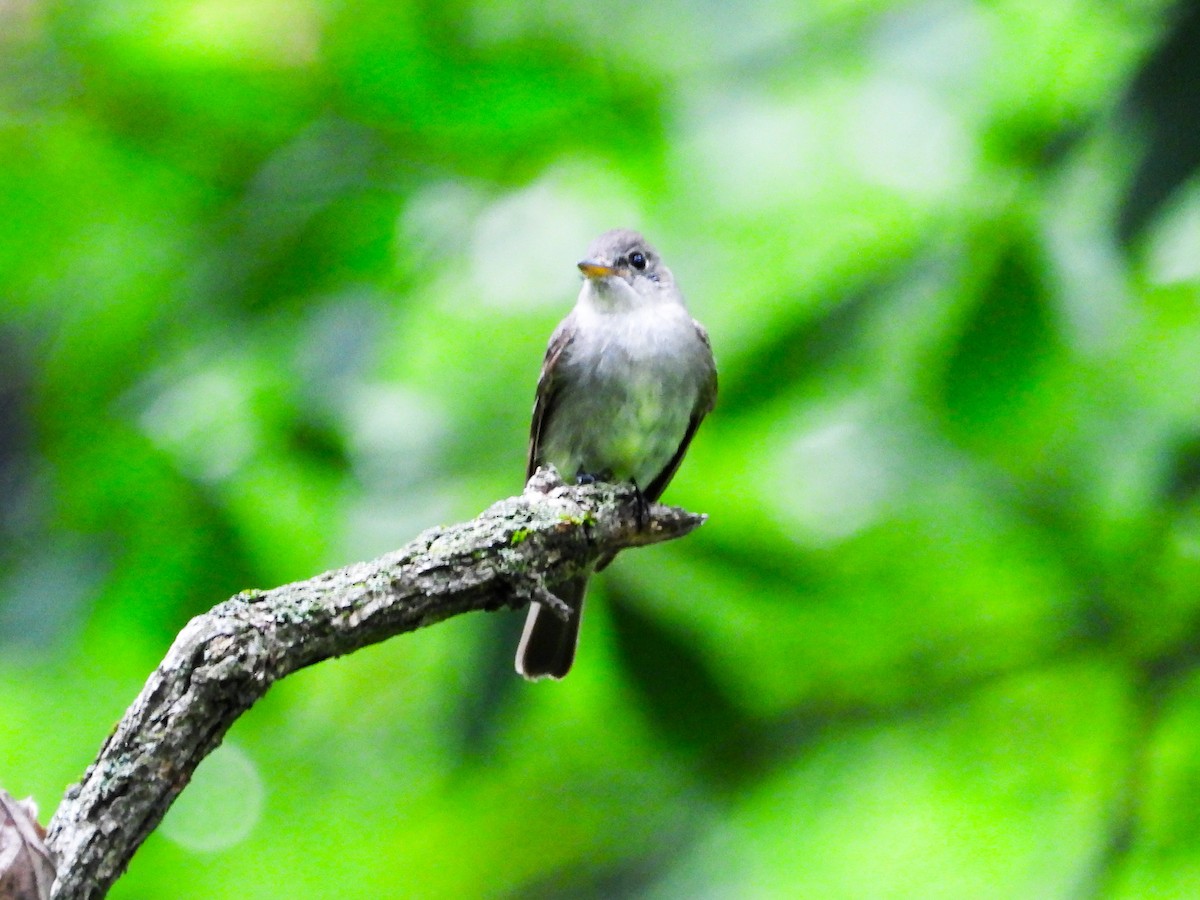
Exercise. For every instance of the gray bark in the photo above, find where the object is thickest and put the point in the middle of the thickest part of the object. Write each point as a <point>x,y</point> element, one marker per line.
<point>225,659</point>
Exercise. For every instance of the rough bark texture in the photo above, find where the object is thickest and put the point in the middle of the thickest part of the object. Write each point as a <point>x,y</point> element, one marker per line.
<point>225,659</point>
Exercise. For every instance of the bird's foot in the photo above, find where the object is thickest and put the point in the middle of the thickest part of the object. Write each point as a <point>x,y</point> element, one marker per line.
<point>642,508</point>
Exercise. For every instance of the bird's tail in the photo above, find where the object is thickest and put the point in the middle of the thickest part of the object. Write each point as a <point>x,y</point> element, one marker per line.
<point>547,646</point>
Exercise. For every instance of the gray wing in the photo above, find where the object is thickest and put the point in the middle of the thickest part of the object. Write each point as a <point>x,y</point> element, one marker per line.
<point>705,401</point>
<point>548,393</point>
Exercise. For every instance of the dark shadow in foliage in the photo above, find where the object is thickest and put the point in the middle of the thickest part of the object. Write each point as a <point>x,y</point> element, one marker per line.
<point>316,441</point>
<point>220,568</point>
<point>1183,476</point>
<point>681,698</point>
<point>809,345</point>
<point>1164,100</point>
<point>772,578</point>
<point>685,703</point>
<point>996,365</point>
<point>491,687</point>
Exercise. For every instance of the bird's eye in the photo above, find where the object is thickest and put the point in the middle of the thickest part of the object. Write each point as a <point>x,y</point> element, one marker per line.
<point>637,259</point>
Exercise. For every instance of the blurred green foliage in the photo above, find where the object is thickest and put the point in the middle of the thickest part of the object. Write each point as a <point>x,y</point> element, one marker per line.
<point>277,277</point>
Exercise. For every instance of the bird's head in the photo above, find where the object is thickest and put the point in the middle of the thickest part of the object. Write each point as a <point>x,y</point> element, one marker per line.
<point>622,269</point>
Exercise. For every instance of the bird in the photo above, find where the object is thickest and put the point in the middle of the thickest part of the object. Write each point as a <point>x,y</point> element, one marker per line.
<point>627,378</point>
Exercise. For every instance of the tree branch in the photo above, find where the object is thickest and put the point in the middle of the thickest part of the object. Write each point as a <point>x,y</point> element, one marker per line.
<point>226,659</point>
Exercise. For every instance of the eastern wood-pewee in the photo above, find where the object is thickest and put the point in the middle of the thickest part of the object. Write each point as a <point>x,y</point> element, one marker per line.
<point>626,380</point>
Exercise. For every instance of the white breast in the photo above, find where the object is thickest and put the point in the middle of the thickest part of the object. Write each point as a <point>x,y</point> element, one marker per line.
<point>631,382</point>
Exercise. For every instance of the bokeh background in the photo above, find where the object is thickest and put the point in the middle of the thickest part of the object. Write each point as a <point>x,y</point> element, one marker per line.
<point>275,281</point>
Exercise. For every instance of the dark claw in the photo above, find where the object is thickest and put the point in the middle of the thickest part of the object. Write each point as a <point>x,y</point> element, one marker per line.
<point>642,507</point>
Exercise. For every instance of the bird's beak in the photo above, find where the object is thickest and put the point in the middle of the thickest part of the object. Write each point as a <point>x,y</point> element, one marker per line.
<point>595,269</point>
